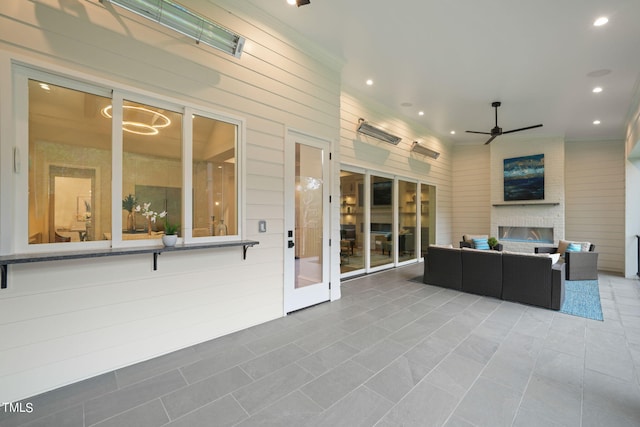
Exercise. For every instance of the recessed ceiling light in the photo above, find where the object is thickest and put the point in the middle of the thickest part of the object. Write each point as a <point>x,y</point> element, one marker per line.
<point>599,73</point>
<point>596,122</point>
<point>421,113</point>
<point>597,89</point>
<point>453,132</point>
<point>600,21</point>
<point>369,82</point>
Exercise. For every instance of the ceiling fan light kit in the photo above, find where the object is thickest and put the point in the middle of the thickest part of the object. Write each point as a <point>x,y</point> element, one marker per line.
<point>368,129</point>
<point>497,131</point>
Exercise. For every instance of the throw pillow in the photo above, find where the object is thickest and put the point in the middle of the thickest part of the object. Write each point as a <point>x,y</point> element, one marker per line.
<point>470,237</point>
<point>562,246</point>
<point>574,247</point>
<point>481,244</point>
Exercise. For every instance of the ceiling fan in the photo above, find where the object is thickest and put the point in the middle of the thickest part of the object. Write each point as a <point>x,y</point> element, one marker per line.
<point>497,131</point>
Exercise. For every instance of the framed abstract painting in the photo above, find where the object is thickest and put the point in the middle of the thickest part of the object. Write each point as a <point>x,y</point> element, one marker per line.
<point>524,178</point>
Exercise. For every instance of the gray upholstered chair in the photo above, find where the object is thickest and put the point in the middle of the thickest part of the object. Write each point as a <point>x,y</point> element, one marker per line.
<point>579,265</point>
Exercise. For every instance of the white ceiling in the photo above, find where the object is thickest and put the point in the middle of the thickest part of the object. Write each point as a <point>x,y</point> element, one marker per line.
<point>452,58</point>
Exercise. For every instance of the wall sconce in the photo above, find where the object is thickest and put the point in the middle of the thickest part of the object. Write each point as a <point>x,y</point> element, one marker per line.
<point>421,149</point>
<point>367,129</point>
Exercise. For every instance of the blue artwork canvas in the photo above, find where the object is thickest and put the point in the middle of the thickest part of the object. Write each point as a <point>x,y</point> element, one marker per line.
<point>524,178</point>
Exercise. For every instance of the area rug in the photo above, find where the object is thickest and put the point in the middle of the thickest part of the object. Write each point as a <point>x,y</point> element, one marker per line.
<point>582,298</point>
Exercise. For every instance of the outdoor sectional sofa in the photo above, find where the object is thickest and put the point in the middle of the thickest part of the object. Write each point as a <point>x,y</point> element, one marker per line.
<point>525,278</point>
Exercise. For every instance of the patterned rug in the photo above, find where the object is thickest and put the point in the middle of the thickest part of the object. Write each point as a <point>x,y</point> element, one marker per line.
<point>582,298</point>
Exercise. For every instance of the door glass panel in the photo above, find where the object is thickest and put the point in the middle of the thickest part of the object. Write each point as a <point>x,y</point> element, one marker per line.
<point>407,220</point>
<point>351,221</point>
<point>381,246</point>
<point>69,165</point>
<point>308,216</point>
<point>427,216</point>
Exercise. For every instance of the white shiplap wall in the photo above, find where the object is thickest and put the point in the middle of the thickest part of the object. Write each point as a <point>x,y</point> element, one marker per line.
<point>595,198</point>
<point>369,153</point>
<point>66,321</point>
<point>471,192</point>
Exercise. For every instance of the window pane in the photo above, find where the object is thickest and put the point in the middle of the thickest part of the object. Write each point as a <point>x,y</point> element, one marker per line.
<point>351,221</point>
<point>407,217</point>
<point>381,221</point>
<point>69,165</point>
<point>427,216</point>
<point>151,170</point>
<point>215,208</point>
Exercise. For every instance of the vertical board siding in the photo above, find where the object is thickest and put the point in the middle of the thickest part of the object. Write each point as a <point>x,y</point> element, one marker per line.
<point>595,199</point>
<point>80,319</point>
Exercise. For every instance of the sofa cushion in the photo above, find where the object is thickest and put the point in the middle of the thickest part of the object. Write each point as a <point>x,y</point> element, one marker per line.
<point>469,237</point>
<point>434,245</point>
<point>481,244</point>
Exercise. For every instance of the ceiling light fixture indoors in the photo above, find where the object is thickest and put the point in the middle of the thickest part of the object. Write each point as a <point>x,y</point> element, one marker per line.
<point>600,21</point>
<point>421,149</point>
<point>367,129</point>
<point>178,18</point>
<point>298,2</point>
<point>596,122</point>
<point>157,120</point>
<point>597,89</point>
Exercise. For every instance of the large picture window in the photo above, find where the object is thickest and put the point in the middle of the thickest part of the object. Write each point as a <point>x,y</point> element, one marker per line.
<point>69,165</point>
<point>74,153</point>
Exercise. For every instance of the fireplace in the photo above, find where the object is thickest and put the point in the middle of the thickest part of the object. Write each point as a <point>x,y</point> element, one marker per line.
<point>526,234</point>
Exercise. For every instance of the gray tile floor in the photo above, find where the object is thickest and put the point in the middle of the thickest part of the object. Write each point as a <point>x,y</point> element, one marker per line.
<point>391,352</point>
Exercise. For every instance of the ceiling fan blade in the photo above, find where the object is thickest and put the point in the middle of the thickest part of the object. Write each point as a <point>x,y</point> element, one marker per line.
<point>473,131</point>
<point>491,139</point>
<point>518,130</point>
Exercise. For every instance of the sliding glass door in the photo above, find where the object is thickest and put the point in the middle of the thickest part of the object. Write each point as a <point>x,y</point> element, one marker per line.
<point>408,210</point>
<point>385,221</point>
<point>352,220</point>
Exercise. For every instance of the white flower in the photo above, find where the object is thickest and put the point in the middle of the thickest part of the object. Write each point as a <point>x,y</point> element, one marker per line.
<point>148,213</point>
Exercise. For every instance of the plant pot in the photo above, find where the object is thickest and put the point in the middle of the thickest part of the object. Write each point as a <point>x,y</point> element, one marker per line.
<point>169,240</point>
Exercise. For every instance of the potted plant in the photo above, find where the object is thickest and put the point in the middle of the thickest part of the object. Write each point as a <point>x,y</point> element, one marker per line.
<point>129,204</point>
<point>170,236</point>
<point>493,243</point>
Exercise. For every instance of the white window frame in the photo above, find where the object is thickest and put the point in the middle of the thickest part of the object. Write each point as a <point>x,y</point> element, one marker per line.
<point>22,72</point>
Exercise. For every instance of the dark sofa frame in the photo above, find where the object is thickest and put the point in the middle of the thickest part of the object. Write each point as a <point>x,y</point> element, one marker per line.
<point>523,278</point>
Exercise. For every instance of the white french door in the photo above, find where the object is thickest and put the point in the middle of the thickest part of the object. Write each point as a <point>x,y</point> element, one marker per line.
<point>307,225</point>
